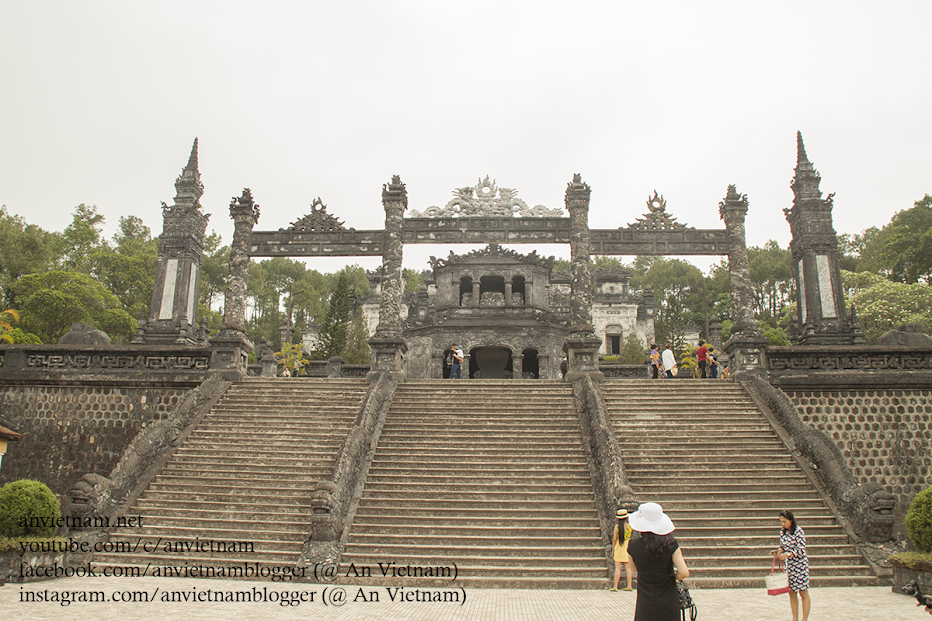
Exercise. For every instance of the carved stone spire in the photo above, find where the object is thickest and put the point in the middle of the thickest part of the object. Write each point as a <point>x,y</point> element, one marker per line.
<point>821,302</point>
<point>806,182</point>
<point>188,186</point>
<point>173,312</point>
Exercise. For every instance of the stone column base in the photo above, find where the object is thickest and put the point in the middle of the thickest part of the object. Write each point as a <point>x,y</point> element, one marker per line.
<point>747,353</point>
<point>387,358</point>
<point>229,355</point>
<point>582,358</point>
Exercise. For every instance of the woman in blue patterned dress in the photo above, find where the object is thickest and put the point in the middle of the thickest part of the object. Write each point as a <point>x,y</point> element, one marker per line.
<point>792,550</point>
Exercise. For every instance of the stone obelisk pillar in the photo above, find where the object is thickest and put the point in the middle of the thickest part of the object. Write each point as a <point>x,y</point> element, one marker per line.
<point>581,345</point>
<point>173,312</point>
<point>820,295</point>
<point>230,349</point>
<point>746,347</point>
<point>387,345</point>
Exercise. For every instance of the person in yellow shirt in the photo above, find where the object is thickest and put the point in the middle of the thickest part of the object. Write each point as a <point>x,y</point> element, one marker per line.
<point>620,549</point>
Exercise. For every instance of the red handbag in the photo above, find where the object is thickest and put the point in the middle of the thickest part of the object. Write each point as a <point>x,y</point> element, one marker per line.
<point>777,583</point>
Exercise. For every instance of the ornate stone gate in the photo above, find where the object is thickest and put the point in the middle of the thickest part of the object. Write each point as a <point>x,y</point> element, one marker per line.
<point>488,214</point>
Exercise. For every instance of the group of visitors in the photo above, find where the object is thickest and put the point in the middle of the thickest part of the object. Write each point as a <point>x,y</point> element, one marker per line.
<point>664,364</point>
<point>643,542</point>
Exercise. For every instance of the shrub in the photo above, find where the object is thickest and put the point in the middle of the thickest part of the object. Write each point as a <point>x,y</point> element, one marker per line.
<point>22,501</point>
<point>919,520</point>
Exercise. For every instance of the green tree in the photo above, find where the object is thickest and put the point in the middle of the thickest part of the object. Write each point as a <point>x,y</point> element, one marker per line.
<point>24,249</point>
<point>332,337</point>
<point>677,287</point>
<point>357,346</point>
<point>128,268</point>
<point>863,252</point>
<point>633,350</point>
<point>215,269</point>
<point>771,270</point>
<point>80,238</point>
<point>52,301</point>
<point>882,305</point>
<point>908,248</point>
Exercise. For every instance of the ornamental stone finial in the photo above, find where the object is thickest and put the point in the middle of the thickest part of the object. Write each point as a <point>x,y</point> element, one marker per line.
<point>395,191</point>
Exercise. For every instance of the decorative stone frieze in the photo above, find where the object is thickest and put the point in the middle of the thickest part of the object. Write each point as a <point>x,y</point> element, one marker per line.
<point>657,217</point>
<point>317,220</point>
<point>486,199</point>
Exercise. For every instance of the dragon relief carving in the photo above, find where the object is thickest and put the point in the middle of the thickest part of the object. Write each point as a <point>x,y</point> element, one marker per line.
<point>657,217</point>
<point>317,220</point>
<point>486,199</point>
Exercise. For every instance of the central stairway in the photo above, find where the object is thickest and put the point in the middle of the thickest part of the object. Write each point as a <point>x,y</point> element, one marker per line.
<point>490,475</point>
<point>703,450</point>
<point>245,474</point>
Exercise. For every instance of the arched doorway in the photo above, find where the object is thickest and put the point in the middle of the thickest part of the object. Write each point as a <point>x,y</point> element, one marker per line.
<point>530,367</point>
<point>489,362</point>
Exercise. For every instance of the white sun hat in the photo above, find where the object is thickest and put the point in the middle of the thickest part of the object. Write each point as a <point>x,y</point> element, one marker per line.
<point>650,518</point>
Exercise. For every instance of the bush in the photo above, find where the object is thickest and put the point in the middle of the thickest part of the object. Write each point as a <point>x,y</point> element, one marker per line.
<point>919,520</point>
<point>22,501</point>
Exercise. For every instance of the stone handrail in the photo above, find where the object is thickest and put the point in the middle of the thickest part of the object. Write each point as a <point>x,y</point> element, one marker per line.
<point>610,481</point>
<point>869,508</point>
<point>96,496</point>
<point>333,501</point>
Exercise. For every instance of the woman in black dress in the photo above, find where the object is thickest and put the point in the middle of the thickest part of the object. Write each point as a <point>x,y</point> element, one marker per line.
<point>658,563</point>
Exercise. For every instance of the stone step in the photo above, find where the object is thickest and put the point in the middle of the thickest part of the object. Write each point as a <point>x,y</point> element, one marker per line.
<point>480,496</point>
<point>486,518</point>
<point>445,507</point>
<point>459,532</point>
<point>466,549</point>
<point>483,469</point>
<point>221,478</point>
<point>170,527</point>
<point>221,466</point>
<point>139,543</point>
<point>707,582</point>
<point>702,563</point>
<point>769,541</point>
<point>493,480</point>
<point>762,569</point>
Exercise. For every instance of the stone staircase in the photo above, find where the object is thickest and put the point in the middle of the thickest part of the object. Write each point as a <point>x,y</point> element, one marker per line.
<point>703,450</point>
<point>245,474</point>
<point>489,475</point>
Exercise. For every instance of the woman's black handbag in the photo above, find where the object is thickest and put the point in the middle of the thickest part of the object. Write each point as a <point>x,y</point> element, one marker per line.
<point>686,602</point>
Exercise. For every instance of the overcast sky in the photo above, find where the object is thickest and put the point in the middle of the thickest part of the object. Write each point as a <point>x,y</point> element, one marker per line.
<point>100,102</point>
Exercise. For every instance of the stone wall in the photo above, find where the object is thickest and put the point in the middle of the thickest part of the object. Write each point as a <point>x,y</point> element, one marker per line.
<point>885,435</point>
<point>71,430</point>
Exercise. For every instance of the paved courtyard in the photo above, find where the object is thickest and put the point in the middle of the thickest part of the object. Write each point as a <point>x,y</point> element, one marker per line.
<point>353,602</point>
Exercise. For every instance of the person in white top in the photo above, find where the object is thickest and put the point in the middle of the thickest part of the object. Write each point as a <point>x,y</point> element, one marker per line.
<point>668,360</point>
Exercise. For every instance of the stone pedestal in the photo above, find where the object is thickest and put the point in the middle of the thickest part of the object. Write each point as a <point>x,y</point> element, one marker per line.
<point>229,355</point>
<point>747,353</point>
<point>387,358</point>
<point>582,354</point>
